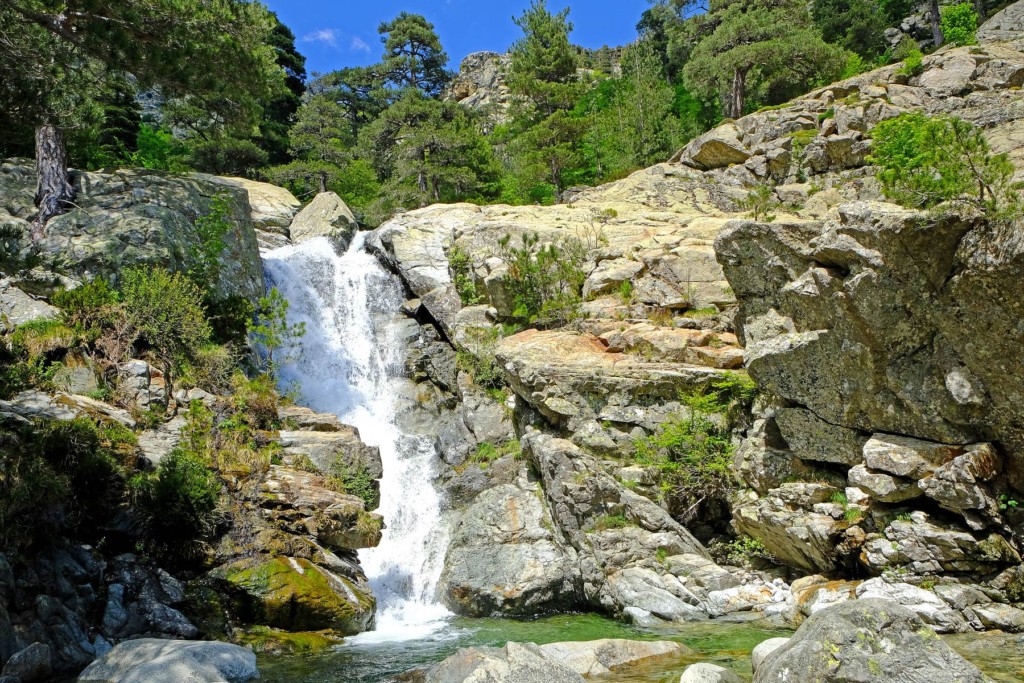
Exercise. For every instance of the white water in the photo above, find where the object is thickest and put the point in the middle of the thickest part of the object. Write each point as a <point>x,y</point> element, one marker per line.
<point>350,364</point>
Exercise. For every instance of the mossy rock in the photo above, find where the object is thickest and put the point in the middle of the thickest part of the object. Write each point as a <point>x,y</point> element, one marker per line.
<point>295,595</point>
<point>263,639</point>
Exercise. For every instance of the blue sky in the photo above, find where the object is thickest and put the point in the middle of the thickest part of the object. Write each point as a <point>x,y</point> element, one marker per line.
<point>338,33</point>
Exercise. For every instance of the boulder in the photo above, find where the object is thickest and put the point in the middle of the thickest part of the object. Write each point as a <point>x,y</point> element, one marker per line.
<point>18,308</point>
<point>271,208</point>
<point>503,557</point>
<point>708,673</point>
<point>718,148</point>
<point>873,641</point>
<point>597,657</point>
<point>139,218</point>
<point>29,665</point>
<point>329,444</point>
<point>172,661</point>
<point>1007,24</point>
<point>326,216</point>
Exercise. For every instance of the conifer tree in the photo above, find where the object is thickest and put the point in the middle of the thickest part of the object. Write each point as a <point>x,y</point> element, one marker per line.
<point>413,56</point>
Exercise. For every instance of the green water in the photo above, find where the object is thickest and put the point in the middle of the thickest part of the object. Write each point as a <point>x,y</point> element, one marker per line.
<point>721,643</point>
<point>1000,656</point>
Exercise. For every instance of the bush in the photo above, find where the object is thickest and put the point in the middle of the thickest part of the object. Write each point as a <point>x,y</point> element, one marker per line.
<point>87,307</point>
<point>925,161</point>
<point>959,23</point>
<point>353,481</point>
<point>545,281</point>
<point>206,249</point>
<point>228,156</point>
<point>760,202</point>
<point>913,63</point>
<point>460,269</point>
<point>256,400</point>
<point>272,331</point>
<point>179,504</point>
<point>167,312</point>
<point>158,149</point>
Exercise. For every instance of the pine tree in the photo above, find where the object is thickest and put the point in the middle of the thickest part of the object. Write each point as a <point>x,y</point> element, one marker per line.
<point>413,56</point>
<point>857,25</point>
<point>543,64</point>
<point>56,54</point>
<point>742,44</point>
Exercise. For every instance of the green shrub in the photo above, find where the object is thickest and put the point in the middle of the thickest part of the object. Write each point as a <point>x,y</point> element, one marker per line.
<point>626,291</point>
<point>158,149</point>
<point>211,367</point>
<point>925,161</point>
<point>606,522</point>
<point>760,202</point>
<point>167,312</point>
<point>959,23</point>
<point>913,63</point>
<point>230,318</point>
<point>42,337</point>
<point>460,268</point>
<point>88,306</point>
<point>205,251</point>
<point>272,331</point>
<point>739,551</point>
<point>179,504</point>
<point>545,281</point>
<point>487,452</point>
<point>256,400</point>
<point>353,481</point>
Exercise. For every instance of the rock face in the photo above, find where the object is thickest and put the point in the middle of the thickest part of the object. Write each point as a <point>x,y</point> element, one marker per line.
<point>170,661</point>
<point>865,640</point>
<point>481,85</point>
<point>326,216</point>
<point>17,307</point>
<point>271,208</point>
<point>137,218</point>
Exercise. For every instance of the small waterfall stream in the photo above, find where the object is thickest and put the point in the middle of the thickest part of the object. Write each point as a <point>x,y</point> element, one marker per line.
<point>350,365</point>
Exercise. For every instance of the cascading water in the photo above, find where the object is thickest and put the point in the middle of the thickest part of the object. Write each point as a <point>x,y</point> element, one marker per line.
<point>350,365</point>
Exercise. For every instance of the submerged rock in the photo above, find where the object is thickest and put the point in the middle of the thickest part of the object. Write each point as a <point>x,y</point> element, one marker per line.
<point>596,657</point>
<point>708,673</point>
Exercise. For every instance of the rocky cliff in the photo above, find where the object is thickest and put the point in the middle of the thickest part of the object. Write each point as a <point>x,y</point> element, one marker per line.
<point>886,437</point>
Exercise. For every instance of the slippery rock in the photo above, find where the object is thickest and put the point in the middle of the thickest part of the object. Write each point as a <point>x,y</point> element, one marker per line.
<point>172,661</point>
<point>597,657</point>
<point>708,673</point>
<point>866,640</point>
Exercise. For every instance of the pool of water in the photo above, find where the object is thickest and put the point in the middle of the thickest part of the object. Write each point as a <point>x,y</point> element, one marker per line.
<point>721,643</point>
<point>1000,656</point>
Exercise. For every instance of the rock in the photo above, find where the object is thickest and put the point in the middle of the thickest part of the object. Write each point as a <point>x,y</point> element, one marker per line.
<point>800,538</point>
<point>764,650</point>
<point>708,673</point>
<point>271,208</point>
<point>330,445</point>
<point>929,607</point>
<point>883,487</point>
<point>18,308</point>
<point>744,598</point>
<point>1007,24</point>
<point>701,572</point>
<point>609,276</point>
<point>155,444</point>
<point>296,595</point>
<point>143,600</point>
<point>717,148</point>
<point>141,218</point>
<point>596,657</point>
<point>172,661</point>
<point>143,385</point>
<point>815,593</point>
<point>925,547</point>
<point>866,640</point>
<point>30,664</point>
<point>514,663</point>
<point>503,557</point>
<point>326,216</point>
<point>481,85</point>
<point>906,457</point>
<point>959,485</point>
<point>811,438</point>
<point>998,616</point>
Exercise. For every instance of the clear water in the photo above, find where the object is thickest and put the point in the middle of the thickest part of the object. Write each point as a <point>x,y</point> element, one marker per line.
<point>725,644</point>
<point>350,364</point>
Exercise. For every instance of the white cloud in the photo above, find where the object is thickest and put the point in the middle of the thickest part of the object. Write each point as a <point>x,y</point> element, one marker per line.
<point>359,45</point>
<point>327,36</point>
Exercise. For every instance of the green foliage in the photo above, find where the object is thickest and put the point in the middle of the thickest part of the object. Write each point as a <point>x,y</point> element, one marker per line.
<point>855,25</point>
<point>545,281</point>
<point>694,449</point>
<point>460,267</point>
<point>739,551</point>
<point>166,311</point>
<point>43,336</point>
<point>205,252</point>
<point>626,291</point>
<point>480,362</point>
<point>925,161</point>
<point>355,481</point>
<point>158,149</point>
<point>413,56</point>
<point>760,202</point>
<point>179,504</point>
<point>543,63</point>
<point>763,45</point>
<point>272,331</point>
<point>87,307</point>
<point>227,155</point>
<point>59,477</point>
<point>959,23</point>
<point>487,452</point>
<point>607,522</point>
<point>913,63</point>
<point>256,400</point>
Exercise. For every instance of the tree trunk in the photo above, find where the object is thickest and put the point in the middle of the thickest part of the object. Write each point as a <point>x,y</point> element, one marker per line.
<point>739,87</point>
<point>323,183</point>
<point>936,26</point>
<point>979,7</point>
<point>53,187</point>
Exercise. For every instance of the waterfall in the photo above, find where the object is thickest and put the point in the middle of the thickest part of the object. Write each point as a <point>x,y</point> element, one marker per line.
<point>350,364</point>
